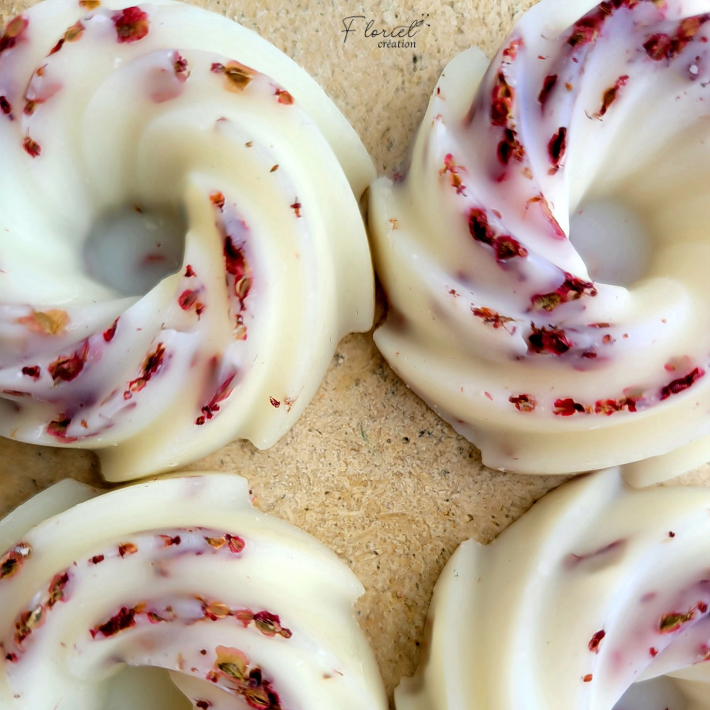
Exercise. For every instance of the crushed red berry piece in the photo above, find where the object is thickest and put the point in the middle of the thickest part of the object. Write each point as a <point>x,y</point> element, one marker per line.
<point>132,24</point>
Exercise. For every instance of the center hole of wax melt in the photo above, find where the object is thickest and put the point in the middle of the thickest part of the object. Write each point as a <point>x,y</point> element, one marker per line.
<point>612,240</point>
<point>131,249</point>
<point>660,693</point>
<point>144,689</point>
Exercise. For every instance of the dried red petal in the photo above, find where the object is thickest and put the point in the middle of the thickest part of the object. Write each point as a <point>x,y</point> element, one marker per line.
<point>57,587</point>
<point>34,371</point>
<point>12,562</point>
<point>523,402</point>
<point>568,407</point>
<point>132,24</point>
<point>510,148</point>
<point>557,147</point>
<point>586,30</point>
<point>189,271</point>
<point>151,366</point>
<point>596,640</point>
<point>674,620</point>
<point>551,340</point>
<point>127,548</point>
<point>58,428</point>
<point>682,383</point>
<point>610,95</point>
<point>68,368</point>
<point>270,625</point>
<point>212,407</point>
<point>13,32</point>
<point>111,331</point>
<point>502,101</point>
<point>490,317</point>
<point>274,402</point>
<point>284,97</point>
<point>5,106</point>
<point>506,247</point>
<point>479,227</point>
<point>121,621</point>
<point>32,147</point>
<point>547,87</point>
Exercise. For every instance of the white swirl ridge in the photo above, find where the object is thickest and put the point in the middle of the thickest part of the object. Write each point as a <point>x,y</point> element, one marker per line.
<point>180,579</point>
<point>120,128</point>
<point>597,598</point>
<point>502,321</point>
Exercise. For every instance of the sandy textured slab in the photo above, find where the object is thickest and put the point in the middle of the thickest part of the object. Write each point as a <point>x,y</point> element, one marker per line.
<point>369,469</point>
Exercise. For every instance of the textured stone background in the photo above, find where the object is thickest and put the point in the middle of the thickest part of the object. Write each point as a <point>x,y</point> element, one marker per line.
<point>368,469</point>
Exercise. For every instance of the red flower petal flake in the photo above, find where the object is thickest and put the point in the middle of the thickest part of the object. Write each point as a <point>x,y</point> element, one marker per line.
<point>58,428</point>
<point>587,678</point>
<point>180,67</point>
<point>510,148</point>
<point>31,147</point>
<point>548,340</point>
<point>11,563</point>
<point>217,199</point>
<point>490,317</point>
<point>5,107</point>
<point>673,621</point>
<point>653,652</point>
<point>557,147</point>
<point>212,407</point>
<point>479,226</point>
<point>610,95</point>
<point>568,407</point>
<point>235,543</point>
<point>572,289</point>
<point>127,548</point>
<point>547,86</point>
<point>189,272</point>
<point>52,322</point>
<point>611,406</point>
<point>68,368</point>
<point>73,34</point>
<point>97,559</point>
<point>682,383</point>
<point>451,167</point>
<point>275,403</point>
<point>523,402</point>
<point>502,101</point>
<point>152,364</point>
<point>596,640</point>
<point>57,588</point>
<point>124,619</point>
<point>13,32</point>
<point>284,97</point>
<point>558,232</point>
<point>662,46</point>
<point>507,247</point>
<point>270,625</point>
<point>132,25</point>
<point>169,540</point>
<point>27,622</point>
<point>33,371</point>
<point>110,332</point>
<point>188,300</point>
<point>586,30</point>
<point>237,75</point>
<point>296,207</point>
<point>203,704</point>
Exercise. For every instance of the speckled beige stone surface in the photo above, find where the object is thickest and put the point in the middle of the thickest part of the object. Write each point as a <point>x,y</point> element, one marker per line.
<point>368,469</point>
